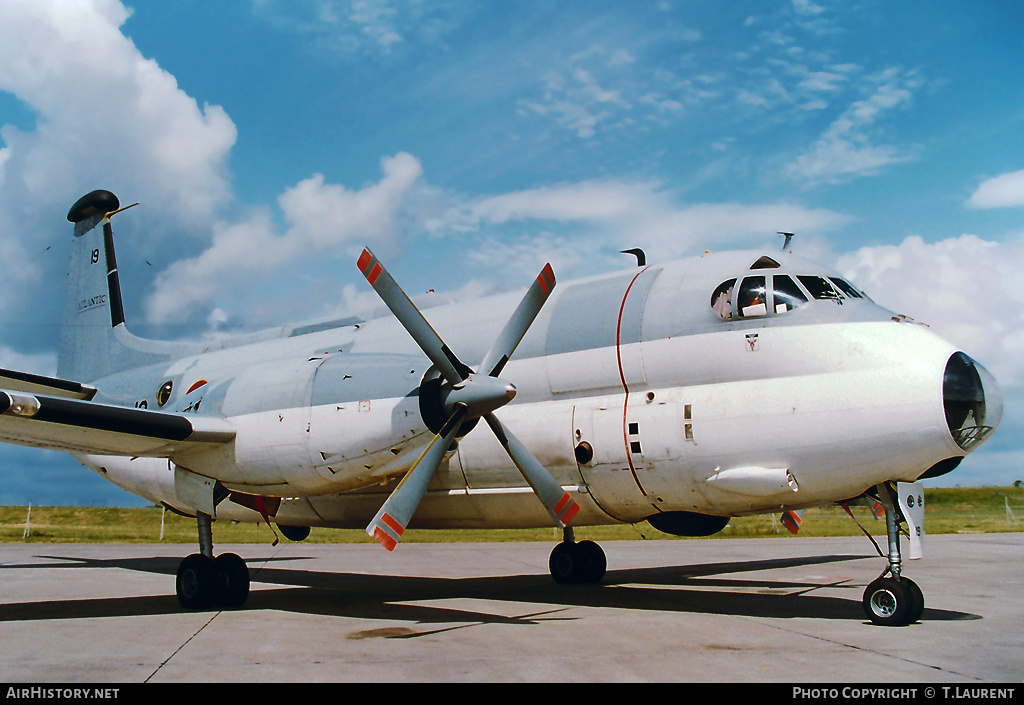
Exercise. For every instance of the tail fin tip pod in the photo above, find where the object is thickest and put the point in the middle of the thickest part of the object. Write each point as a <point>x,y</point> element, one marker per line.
<point>99,202</point>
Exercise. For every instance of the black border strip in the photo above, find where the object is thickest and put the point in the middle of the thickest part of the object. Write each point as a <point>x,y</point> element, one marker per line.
<point>113,284</point>
<point>136,422</point>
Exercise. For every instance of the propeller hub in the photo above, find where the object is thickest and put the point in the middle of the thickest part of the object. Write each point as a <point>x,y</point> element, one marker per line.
<point>479,394</point>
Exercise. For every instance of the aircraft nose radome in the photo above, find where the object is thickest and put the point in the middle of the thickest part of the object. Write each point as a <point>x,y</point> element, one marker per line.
<point>972,401</point>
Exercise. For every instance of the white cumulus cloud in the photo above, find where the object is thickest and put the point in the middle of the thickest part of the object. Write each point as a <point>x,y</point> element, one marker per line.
<point>965,288</point>
<point>105,115</point>
<point>322,218</point>
<point>1005,190</point>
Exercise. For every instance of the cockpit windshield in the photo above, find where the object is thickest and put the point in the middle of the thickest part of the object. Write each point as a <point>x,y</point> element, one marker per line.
<point>819,287</point>
<point>846,287</point>
<point>764,294</point>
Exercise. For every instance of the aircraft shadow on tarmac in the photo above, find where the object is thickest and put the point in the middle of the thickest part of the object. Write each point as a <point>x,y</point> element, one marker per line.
<point>695,589</point>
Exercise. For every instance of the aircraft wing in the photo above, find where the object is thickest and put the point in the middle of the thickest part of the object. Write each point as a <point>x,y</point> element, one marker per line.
<point>77,425</point>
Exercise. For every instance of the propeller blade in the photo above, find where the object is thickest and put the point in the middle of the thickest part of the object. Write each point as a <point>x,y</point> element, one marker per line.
<point>411,318</point>
<point>520,322</point>
<point>473,397</point>
<point>389,524</point>
<point>562,506</point>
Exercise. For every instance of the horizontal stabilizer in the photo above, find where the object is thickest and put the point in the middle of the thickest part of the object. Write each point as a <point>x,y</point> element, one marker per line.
<point>80,426</point>
<point>50,386</point>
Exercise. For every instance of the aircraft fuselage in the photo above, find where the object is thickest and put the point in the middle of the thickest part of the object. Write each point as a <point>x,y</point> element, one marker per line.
<point>631,389</point>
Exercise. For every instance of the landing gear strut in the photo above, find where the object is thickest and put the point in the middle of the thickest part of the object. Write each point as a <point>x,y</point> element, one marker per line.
<point>576,563</point>
<point>892,600</point>
<point>204,581</point>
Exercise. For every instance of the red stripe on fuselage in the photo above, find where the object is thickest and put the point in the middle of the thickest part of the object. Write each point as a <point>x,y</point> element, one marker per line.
<point>625,387</point>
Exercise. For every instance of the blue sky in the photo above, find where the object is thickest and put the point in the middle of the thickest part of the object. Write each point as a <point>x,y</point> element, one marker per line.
<point>470,142</point>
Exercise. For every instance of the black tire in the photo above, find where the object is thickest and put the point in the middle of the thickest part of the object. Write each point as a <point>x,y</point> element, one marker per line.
<point>576,563</point>
<point>232,580</point>
<point>916,600</point>
<point>593,562</point>
<point>196,582</point>
<point>563,563</point>
<point>887,602</point>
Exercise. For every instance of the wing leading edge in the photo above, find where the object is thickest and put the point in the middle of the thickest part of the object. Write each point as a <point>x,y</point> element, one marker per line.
<point>76,425</point>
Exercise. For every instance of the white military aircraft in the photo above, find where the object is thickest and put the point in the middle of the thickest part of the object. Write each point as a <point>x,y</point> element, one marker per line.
<point>682,394</point>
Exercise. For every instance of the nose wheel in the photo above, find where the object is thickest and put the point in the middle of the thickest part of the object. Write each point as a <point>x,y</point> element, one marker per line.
<point>892,600</point>
<point>203,581</point>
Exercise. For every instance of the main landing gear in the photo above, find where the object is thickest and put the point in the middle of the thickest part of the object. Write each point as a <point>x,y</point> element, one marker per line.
<point>892,600</point>
<point>576,563</point>
<point>204,581</point>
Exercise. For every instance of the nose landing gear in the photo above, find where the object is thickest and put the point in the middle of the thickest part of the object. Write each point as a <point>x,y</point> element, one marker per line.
<point>892,600</point>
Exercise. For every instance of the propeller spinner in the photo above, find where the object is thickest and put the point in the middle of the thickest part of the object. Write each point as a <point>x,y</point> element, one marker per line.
<point>467,396</point>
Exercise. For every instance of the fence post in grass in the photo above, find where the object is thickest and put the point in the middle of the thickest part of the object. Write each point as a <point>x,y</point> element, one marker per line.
<point>28,520</point>
<point>163,512</point>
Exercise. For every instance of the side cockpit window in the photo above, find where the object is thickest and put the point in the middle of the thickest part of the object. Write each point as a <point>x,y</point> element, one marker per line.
<point>787,294</point>
<point>756,296</point>
<point>721,299</point>
<point>752,299</point>
<point>761,295</point>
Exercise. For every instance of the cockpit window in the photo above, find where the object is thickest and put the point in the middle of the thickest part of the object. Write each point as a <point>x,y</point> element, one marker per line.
<point>819,287</point>
<point>774,294</point>
<point>846,287</point>
<point>765,262</point>
<point>787,294</point>
<point>721,300</point>
<point>752,299</point>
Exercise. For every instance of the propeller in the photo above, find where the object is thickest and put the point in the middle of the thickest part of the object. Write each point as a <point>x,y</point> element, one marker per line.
<point>468,396</point>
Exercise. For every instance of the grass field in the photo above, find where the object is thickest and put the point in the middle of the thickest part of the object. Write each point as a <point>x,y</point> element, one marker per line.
<point>958,510</point>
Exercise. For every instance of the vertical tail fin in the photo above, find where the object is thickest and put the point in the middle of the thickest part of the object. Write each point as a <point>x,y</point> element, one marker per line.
<point>94,341</point>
